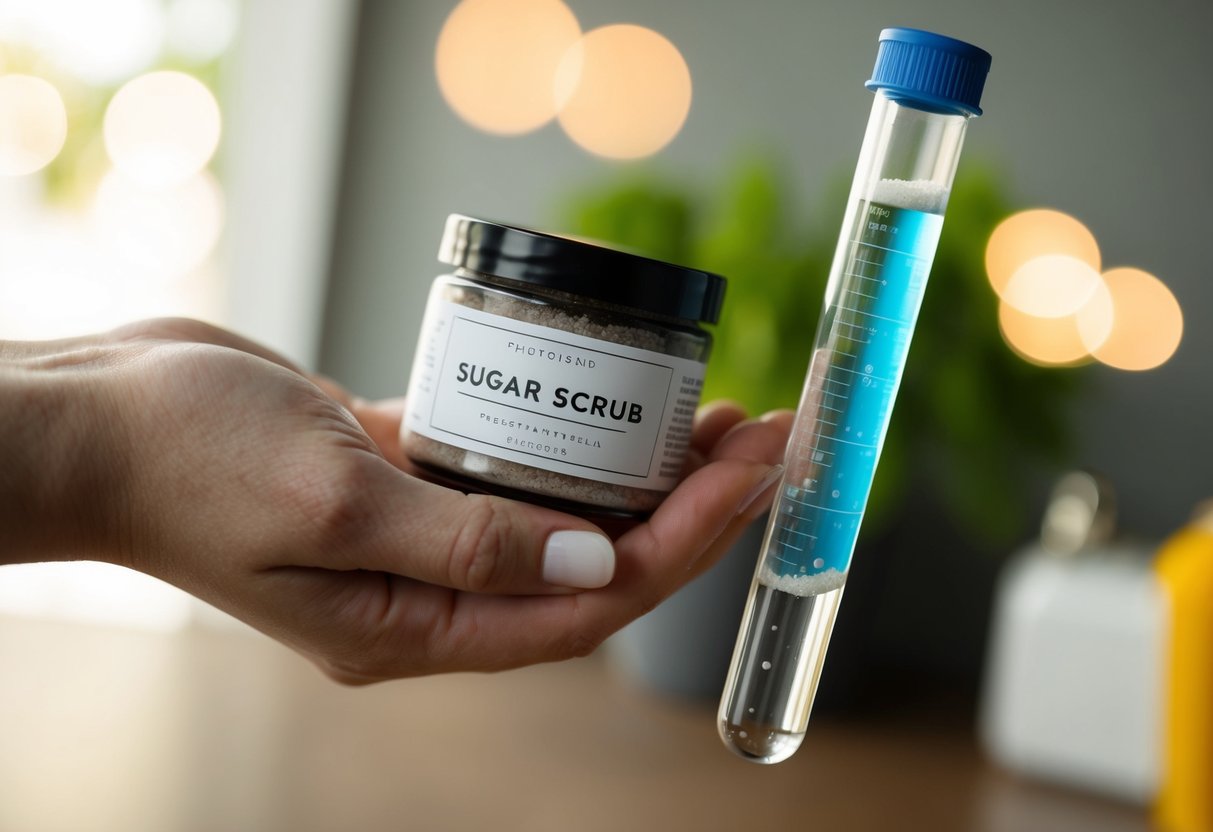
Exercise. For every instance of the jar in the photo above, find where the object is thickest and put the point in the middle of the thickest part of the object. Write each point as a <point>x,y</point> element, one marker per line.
<point>557,371</point>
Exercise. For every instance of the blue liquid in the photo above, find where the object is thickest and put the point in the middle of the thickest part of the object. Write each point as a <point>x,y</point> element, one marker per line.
<point>862,343</point>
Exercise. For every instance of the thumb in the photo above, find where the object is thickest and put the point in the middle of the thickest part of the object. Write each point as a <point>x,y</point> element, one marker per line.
<point>487,544</point>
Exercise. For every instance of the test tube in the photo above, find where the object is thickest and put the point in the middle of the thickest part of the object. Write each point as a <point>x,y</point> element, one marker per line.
<point>927,87</point>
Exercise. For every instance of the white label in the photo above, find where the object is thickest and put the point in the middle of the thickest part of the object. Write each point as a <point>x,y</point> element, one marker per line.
<point>552,399</point>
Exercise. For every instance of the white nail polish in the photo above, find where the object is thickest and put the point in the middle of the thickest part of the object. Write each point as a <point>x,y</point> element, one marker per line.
<point>585,560</point>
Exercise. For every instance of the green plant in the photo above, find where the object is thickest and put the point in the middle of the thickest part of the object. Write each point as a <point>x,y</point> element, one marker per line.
<point>971,419</point>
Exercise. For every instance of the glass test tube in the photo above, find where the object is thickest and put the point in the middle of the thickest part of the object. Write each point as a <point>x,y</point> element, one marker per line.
<point>927,87</point>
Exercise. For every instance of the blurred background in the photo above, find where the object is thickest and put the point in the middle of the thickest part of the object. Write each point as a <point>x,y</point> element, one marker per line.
<point>285,168</point>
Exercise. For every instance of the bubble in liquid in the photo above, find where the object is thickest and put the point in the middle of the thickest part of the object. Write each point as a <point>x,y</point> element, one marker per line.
<point>835,493</point>
<point>818,563</point>
<point>742,734</point>
<point>766,665</point>
<point>751,710</point>
<point>774,627</point>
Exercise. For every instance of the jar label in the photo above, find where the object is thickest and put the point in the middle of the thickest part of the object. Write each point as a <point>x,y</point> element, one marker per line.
<point>552,399</point>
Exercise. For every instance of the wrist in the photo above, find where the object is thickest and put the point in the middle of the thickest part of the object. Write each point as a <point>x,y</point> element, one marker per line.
<point>61,483</point>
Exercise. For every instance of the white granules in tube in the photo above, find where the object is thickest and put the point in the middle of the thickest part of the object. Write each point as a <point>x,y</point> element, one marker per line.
<point>913,194</point>
<point>803,585</point>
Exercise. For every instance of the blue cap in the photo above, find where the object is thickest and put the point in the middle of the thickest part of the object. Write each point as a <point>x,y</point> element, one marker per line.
<point>930,71</point>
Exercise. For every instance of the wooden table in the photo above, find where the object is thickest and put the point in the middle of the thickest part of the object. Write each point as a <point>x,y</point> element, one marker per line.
<point>204,729</point>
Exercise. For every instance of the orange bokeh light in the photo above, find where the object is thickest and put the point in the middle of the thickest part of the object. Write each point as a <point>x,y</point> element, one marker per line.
<point>1147,322</point>
<point>1051,286</point>
<point>1057,341</point>
<point>497,61</point>
<point>1030,234</point>
<point>626,92</point>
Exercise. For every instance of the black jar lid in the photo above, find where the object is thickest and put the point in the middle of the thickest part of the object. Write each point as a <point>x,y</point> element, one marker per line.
<point>581,268</point>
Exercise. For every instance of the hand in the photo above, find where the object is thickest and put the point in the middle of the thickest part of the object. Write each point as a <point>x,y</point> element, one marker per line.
<point>288,503</point>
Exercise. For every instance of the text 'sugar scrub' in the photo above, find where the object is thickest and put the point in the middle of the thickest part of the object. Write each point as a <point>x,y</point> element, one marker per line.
<point>927,87</point>
<point>558,371</point>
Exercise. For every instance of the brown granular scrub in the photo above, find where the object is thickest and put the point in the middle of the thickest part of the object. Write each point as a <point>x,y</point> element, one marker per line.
<point>475,471</point>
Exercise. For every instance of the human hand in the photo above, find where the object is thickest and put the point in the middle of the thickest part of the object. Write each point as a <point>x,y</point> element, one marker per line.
<point>286,502</point>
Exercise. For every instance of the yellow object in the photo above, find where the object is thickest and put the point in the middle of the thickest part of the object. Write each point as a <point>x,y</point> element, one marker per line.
<point>1185,566</point>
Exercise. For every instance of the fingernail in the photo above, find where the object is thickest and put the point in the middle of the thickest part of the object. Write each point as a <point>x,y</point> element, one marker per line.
<point>585,560</point>
<point>761,487</point>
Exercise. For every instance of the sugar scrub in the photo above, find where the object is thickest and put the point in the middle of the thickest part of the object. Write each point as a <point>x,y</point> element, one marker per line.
<point>557,371</point>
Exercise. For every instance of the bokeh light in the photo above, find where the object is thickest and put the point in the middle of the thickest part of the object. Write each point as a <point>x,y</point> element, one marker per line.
<point>626,92</point>
<point>1057,341</point>
<point>99,43</point>
<point>1051,286</point>
<point>164,232</point>
<point>1147,322</point>
<point>497,60</point>
<point>162,128</point>
<point>33,124</point>
<point>1030,234</point>
<point>200,30</point>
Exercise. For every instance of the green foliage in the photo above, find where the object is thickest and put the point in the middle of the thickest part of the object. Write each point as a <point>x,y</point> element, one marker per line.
<point>971,417</point>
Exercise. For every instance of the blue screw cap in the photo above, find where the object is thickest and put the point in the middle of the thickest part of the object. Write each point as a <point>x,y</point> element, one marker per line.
<point>930,71</point>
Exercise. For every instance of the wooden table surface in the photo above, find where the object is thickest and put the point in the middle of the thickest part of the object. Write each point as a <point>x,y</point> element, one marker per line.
<point>111,729</point>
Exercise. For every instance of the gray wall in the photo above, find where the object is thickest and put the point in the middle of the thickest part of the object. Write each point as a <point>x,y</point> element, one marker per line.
<point>1101,109</point>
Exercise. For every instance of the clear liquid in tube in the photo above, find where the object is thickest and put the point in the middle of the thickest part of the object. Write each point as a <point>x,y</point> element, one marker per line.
<point>785,646</point>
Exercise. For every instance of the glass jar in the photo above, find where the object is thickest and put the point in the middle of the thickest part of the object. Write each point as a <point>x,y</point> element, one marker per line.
<point>557,371</point>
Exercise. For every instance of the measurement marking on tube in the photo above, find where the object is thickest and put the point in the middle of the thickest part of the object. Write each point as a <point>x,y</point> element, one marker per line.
<point>897,321</point>
<point>885,248</point>
<point>849,442</point>
<point>861,373</point>
<point>798,534</point>
<point>822,508</point>
<point>854,336</point>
